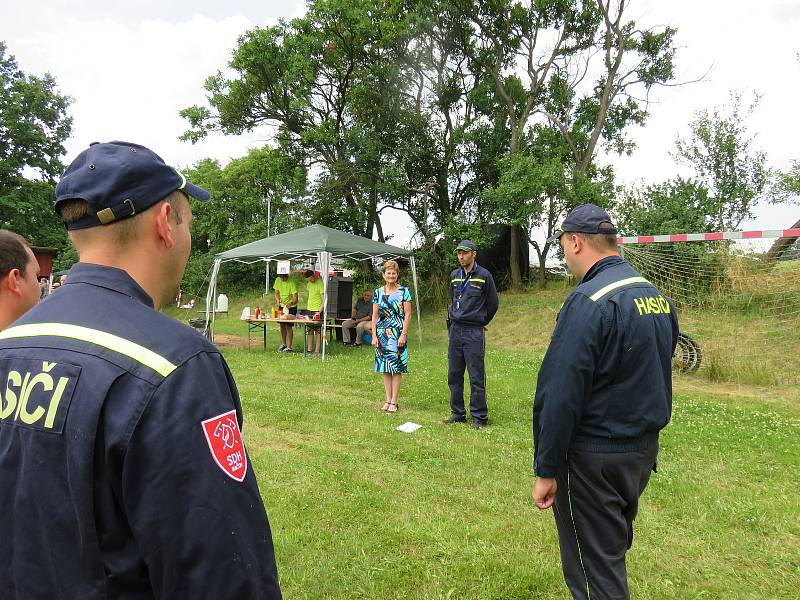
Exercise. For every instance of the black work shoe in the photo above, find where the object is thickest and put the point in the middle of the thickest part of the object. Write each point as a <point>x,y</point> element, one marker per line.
<point>479,423</point>
<point>454,419</point>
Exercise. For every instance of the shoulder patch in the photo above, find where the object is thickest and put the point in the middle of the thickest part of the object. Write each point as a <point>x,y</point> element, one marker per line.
<point>225,442</point>
<point>36,393</point>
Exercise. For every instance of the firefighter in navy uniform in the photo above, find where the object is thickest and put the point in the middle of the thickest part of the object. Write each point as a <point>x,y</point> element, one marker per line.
<point>474,303</point>
<point>604,392</point>
<point>123,468</point>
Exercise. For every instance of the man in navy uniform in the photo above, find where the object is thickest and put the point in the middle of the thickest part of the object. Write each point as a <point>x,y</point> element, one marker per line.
<point>604,392</point>
<point>474,303</point>
<point>123,467</point>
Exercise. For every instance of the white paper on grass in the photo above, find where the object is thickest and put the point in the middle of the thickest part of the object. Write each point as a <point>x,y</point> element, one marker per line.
<point>408,427</point>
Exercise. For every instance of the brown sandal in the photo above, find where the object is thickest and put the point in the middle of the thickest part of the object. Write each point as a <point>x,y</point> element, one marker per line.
<point>385,407</point>
<point>393,406</point>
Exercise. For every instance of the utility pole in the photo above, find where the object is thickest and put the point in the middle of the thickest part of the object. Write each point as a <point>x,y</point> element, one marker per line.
<point>269,232</point>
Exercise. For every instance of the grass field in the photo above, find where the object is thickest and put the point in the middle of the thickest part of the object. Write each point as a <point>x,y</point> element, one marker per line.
<point>360,510</point>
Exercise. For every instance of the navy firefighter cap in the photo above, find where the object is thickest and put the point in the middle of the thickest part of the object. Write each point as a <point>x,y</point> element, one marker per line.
<point>467,246</point>
<point>585,218</point>
<point>119,180</point>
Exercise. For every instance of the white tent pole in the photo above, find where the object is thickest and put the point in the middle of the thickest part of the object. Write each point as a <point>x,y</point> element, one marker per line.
<point>416,296</point>
<point>211,296</point>
<point>324,266</point>
<point>266,277</point>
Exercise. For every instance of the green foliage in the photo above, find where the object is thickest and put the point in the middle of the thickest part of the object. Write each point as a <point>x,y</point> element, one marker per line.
<point>242,193</point>
<point>327,81</point>
<point>548,38</point>
<point>539,185</point>
<point>676,206</point>
<point>721,151</point>
<point>370,278</point>
<point>422,108</point>
<point>27,208</point>
<point>33,127</point>
<point>788,185</point>
<point>435,261</point>
<point>33,124</point>
<point>413,106</point>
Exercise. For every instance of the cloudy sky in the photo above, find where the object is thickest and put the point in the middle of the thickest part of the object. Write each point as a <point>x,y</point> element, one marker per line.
<point>130,66</point>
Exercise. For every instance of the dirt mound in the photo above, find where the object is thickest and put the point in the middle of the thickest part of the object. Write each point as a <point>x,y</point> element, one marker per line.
<point>226,340</point>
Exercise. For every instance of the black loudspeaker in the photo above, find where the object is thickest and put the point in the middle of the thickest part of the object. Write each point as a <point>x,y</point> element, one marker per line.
<point>495,258</point>
<point>340,297</point>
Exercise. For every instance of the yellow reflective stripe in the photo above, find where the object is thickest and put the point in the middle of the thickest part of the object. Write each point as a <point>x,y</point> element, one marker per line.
<point>617,284</point>
<point>183,179</point>
<point>454,280</point>
<point>100,338</point>
<point>476,279</point>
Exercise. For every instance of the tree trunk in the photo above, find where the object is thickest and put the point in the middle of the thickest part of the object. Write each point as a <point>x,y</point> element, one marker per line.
<point>370,224</point>
<point>514,239</point>
<point>542,271</point>
<point>379,227</point>
<point>542,258</point>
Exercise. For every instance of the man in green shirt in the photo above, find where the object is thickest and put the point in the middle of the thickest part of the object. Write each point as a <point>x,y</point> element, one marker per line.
<point>314,287</point>
<point>286,298</point>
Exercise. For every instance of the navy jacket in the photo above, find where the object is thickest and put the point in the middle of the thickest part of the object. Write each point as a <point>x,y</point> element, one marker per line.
<point>473,296</point>
<point>605,384</point>
<point>122,466</point>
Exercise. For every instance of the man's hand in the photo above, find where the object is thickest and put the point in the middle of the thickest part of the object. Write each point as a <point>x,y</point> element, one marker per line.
<point>544,492</point>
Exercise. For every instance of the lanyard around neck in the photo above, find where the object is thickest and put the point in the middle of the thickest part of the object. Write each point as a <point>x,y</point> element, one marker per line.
<point>466,277</point>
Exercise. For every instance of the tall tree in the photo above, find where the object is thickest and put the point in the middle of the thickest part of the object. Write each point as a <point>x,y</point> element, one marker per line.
<point>440,126</point>
<point>33,127</point>
<point>318,79</point>
<point>547,49</point>
<point>722,153</point>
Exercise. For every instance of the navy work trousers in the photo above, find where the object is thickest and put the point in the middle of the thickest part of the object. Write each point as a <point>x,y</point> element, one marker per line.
<point>595,505</point>
<point>466,350</point>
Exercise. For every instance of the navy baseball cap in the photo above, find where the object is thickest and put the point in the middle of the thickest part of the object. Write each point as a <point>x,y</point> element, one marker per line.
<point>467,246</point>
<point>119,180</point>
<point>585,218</point>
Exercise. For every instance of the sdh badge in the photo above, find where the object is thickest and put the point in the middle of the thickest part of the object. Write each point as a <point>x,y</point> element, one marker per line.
<point>225,442</point>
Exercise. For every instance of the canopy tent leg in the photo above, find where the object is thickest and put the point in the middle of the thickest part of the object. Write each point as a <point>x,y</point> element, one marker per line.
<point>416,296</point>
<point>211,295</point>
<point>324,259</point>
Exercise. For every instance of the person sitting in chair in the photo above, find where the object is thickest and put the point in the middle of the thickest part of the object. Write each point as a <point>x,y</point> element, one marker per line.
<point>361,320</point>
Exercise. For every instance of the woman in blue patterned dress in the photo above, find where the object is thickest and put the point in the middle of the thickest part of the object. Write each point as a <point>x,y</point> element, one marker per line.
<point>391,316</point>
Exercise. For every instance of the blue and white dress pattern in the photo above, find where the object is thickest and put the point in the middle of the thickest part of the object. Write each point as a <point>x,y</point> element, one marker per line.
<point>388,357</point>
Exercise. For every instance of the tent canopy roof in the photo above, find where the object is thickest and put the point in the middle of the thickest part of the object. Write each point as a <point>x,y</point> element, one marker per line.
<point>308,241</point>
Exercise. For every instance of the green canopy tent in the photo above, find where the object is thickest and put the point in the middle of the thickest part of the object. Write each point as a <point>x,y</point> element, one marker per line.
<point>313,242</point>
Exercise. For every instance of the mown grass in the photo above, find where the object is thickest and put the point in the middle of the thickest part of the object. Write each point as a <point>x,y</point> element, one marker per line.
<point>360,510</point>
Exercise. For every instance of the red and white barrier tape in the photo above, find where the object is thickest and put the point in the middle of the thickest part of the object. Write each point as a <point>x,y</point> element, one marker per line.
<point>703,237</point>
